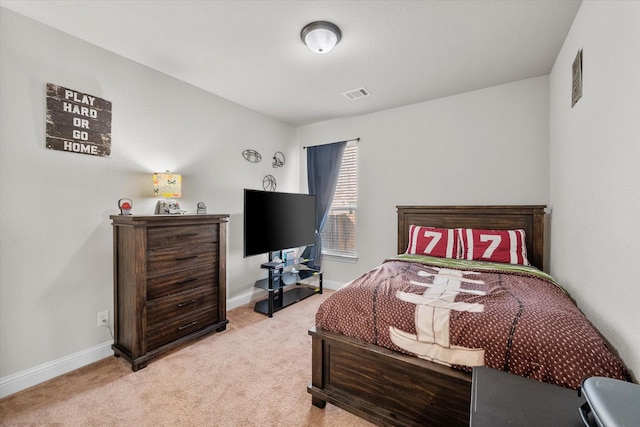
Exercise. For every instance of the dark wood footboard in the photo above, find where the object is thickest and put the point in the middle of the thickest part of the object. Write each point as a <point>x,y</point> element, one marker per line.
<point>386,387</point>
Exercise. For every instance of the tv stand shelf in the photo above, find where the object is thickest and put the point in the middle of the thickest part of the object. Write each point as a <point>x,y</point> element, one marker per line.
<point>286,287</point>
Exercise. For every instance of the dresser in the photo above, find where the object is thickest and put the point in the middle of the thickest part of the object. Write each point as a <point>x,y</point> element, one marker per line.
<point>169,282</point>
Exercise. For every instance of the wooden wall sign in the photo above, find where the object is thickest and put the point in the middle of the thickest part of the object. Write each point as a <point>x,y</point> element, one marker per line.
<point>78,122</point>
<point>576,73</point>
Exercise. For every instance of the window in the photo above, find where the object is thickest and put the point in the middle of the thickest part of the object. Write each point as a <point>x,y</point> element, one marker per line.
<point>339,233</point>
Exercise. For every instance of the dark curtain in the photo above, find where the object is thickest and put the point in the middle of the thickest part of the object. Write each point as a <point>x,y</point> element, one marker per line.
<point>323,170</point>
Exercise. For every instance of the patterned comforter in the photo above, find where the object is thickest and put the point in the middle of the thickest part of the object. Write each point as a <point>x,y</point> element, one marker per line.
<point>470,313</point>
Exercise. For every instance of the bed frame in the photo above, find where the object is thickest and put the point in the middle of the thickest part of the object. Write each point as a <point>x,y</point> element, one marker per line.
<point>389,388</point>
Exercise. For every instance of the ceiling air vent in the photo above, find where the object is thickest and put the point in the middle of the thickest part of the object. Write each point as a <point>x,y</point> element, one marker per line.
<point>352,95</point>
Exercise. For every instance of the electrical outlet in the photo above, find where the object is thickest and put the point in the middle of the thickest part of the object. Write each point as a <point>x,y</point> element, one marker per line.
<point>103,318</point>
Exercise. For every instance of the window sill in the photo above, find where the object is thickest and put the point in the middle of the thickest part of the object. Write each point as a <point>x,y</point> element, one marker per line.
<point>333,256</point>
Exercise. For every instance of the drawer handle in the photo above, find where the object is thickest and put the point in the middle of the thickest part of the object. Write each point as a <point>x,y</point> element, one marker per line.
<point>188,325</point>
<point>182,282</point>
<point>183,304</point>
<point>187,257</point>
<point>188,235</point>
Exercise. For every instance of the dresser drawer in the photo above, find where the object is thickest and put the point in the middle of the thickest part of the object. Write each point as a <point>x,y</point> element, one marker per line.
<point>173,283</point>
<point>173,237</point>
<point>174,329</point>
<point>181,305</point>
<point>161,261</point>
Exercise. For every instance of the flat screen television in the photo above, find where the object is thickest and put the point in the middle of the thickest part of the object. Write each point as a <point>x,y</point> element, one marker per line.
<point>275,221</point>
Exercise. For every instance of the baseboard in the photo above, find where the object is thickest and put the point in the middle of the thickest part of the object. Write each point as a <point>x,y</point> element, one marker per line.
<point>28,378</point>
<point>245,298</point>
<point>330,284</point>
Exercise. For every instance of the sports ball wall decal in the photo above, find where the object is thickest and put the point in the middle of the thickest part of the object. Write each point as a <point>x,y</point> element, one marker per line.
<point>252,156</point>
<point>269,183</point>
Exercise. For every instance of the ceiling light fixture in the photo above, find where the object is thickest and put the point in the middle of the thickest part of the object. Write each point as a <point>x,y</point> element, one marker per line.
<point>321,36</point>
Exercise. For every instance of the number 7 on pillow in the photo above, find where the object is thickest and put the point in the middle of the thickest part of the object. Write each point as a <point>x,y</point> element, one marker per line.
<point>431,241</point>
<point>506,246</point>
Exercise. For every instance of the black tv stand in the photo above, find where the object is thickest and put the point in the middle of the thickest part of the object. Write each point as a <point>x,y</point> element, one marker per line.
<point>286,287</point>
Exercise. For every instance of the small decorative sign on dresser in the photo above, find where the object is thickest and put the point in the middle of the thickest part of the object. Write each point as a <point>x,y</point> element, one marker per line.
<point>78,122</point>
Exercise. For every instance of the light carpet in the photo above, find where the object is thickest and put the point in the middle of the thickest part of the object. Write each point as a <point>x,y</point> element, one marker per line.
<point>253,374</point>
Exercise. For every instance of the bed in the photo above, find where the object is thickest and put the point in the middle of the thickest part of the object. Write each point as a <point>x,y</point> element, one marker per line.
<point>389,376</point>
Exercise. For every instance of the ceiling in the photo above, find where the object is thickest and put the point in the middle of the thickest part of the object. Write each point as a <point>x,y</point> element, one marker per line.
<point>250,52</point>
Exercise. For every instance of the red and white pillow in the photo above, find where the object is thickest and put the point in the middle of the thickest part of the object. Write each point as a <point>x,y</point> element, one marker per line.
<point>506,246</point>
<point>431,241</point>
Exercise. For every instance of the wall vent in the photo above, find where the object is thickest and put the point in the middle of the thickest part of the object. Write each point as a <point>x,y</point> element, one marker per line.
<point>352,95</point>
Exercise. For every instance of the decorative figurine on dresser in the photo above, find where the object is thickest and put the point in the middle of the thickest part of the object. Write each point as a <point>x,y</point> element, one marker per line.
<point>169,282</point>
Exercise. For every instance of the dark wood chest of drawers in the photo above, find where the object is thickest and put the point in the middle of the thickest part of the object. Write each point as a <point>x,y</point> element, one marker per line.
<point>169,282</point>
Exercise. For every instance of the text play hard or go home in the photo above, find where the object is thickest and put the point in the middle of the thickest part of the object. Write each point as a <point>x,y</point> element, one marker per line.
<point>78,122</point>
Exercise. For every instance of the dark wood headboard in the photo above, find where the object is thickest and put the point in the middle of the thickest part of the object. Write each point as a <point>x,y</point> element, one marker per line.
<point>529,218</point>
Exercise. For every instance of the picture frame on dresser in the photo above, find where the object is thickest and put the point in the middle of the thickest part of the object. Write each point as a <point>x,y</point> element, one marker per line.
<point>169,282</point>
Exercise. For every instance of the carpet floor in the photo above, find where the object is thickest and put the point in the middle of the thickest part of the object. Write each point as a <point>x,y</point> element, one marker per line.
<point>253,374</point>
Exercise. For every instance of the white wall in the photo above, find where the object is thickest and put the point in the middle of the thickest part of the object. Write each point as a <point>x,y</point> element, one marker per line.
<point>595,172</point>
<point>56,248</point>
<point>484,147</point>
